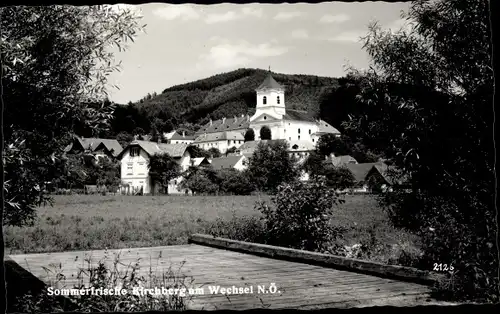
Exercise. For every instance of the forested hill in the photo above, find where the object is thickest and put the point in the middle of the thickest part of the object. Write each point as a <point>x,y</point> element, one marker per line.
<point>229,94</point>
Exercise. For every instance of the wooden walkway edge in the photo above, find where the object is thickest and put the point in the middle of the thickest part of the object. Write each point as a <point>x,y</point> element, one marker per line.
<point>342,263</point>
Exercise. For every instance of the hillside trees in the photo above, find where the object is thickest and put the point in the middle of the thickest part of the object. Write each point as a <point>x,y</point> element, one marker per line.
<point>428,98</point>
<point>55,63</point>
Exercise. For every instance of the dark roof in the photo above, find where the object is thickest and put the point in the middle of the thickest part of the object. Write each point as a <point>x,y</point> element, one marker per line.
<point>220,136</point>
<point>231,124</point>
<point>298,115</point>
<point>151,148</point>
<point>176,136</point>
<point>325,127</point>
<point>359,171</point>
<point>269,82</point>
<point>93,143</point>
<point>391,174</point>
<point>225,162</point>
<point>342,160</point>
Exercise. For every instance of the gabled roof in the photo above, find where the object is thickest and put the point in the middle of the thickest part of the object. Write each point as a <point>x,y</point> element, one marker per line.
<point>269,82</point>
<point>93,143</point>
<point>297,115</point>
<point>300,146</point>
<point>342,160</point>
<point>151,148</point>
<point>391,174</point>
<point>179,137</point>
<point>359,171</point>
<point>230,124</point>
<point>226,162</point>
<point>198,161</point>
<point>220,136</point>
<point>168,135</point>
<point>324,128</point>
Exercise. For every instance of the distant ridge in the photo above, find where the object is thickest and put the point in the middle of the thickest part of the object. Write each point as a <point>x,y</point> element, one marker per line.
<point>233,94</point>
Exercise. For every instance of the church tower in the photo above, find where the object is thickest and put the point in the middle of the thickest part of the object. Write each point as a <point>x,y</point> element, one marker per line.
<point>270,98</point>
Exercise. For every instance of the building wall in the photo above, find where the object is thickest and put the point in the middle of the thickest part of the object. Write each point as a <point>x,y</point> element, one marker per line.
<point>222,146</point>
<point>241,164</point>
<point>181,141</point>
<point>135,172</point>
<point>271,103</point>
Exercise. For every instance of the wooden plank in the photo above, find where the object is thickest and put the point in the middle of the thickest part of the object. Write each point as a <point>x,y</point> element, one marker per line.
<point>399,272</point>
<point>302,285</point>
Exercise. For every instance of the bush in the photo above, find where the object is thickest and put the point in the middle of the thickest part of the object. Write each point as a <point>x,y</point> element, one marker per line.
<point>234,182</point>
<point>300,217</point>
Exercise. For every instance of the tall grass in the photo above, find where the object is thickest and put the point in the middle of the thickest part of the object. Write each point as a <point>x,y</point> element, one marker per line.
<point>109,275</point>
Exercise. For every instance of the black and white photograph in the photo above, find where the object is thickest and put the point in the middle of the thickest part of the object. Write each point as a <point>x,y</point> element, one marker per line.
<point>236,156</point>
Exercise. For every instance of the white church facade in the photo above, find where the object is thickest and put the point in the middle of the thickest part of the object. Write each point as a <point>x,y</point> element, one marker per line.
<point>285,124</point>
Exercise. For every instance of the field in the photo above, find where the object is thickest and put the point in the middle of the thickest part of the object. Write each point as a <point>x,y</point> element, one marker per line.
<point>83,222</point>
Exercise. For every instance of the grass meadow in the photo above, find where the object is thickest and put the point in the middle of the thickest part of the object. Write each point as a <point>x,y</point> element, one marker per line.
<point>92,222</point>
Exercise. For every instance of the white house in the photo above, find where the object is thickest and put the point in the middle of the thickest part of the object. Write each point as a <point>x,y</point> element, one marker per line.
<point>220,140</point>
<point>181,138</point>
<point>135,158</point>
<point>270,111</point>
<point>238,162</point>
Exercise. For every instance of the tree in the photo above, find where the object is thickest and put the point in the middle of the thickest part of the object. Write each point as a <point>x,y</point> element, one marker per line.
<point>214,152</point>
<point>271,165</point>
<point>124,139</point>
<point>338,177</point>
<point>249,135</point>
<point>197,152</point>
<point>425,85</point>
<point>55,60</point>
<point>162,169</point>
<point>108,174</point>
<point>231,150</point>
<point>234,182</point>
<point>265,133</point>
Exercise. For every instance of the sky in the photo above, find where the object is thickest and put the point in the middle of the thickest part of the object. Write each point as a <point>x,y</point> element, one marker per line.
<point>184,43</point>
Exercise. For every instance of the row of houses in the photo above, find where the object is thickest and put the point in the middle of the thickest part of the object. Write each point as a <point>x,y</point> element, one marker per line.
<point>135,157</point>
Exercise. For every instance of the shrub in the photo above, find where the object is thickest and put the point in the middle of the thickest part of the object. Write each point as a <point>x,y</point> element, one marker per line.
<point>235,182</point>
<point>300,217</point>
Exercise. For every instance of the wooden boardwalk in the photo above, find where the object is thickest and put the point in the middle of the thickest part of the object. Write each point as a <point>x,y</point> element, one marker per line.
<point>299,285</point>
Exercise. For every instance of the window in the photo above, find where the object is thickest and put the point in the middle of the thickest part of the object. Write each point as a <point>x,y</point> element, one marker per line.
<point>309,131</point>
<point>278,100</point>
<point>264,100</point>
<point>299,137</point>
<point>284,131</point>
<point>265,118</point>
<point>134,151</point>
<point>313,140</point>
<point>129,168</point>
<point>289,138</point>
<point>299,131</point>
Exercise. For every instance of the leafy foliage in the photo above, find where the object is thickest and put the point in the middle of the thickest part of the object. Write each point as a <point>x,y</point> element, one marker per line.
<point>197,152</point>
<point>329,143</point>
<point>427,104</point>
<point>55,63</point>
<point>300,217</point>
<point>271,165</point>
<point>162,169</point>
<point>265,133</point>
<point>235,182</point>
<point>214,152</point>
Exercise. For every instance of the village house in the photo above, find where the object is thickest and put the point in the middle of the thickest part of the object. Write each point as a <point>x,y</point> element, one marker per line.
<point>134,165</point>
<point>360,171</point>
<point>96,147</point>
<point>180,138</point>
<point>220,140</point>
<point>199,162</point>
<point>286,124</point>
<point>384,178</point>
<point>237,162</point>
